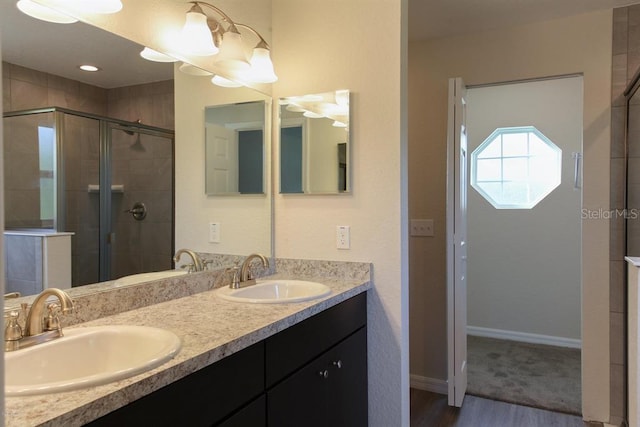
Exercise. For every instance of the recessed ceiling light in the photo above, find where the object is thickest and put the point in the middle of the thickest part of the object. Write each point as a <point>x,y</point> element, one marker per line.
<point>91,68</point>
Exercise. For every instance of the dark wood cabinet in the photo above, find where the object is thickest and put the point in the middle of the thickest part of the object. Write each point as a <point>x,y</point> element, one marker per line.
<point>329,391</point>
<point>311,374</point>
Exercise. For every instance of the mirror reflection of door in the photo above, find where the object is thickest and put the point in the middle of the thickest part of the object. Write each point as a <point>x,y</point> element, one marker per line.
<point>250,165</point>
<point>291,159</point>
<point>222,160</point>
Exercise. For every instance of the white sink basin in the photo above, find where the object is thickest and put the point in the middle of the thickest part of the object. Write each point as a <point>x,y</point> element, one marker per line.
<point>147,277</point>
<point>87,357</point>
<point>276,291</point>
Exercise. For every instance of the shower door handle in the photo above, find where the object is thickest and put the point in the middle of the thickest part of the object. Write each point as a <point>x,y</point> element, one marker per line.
<point>576,170</point>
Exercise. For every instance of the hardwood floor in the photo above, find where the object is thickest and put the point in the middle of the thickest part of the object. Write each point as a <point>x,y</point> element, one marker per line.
<point>431,410</point>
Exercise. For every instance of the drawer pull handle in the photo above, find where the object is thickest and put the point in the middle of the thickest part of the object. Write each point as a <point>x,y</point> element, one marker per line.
<point>338,364</point>
<point>324,374</point>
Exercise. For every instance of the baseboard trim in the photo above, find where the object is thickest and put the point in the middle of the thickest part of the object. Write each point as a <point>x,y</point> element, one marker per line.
<point>428,384</point>
<point>523,337</point>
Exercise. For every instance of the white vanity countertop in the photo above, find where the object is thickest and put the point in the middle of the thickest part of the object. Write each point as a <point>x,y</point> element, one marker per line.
<point>210,329</point>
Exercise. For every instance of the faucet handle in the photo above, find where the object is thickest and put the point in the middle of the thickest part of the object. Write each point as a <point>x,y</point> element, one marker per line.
<point>13,331</point>
<point>52,320</point>
<point>189,267</point>
<point>206,263</point>
<point>235,279</point>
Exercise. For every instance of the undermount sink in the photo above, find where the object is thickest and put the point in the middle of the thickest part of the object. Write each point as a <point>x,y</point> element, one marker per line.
<point>276,291</point>
<point>86,357</point>
<point>147,277</point>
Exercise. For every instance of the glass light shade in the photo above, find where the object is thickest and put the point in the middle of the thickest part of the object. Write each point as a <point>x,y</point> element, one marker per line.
<point>338,124</point>
<point>312,115</point>
<point>261,67</point>
<point>193,71</point>
<point>221,81</point>
<point>44,13</point>
<point>295,108</point>
<point>232,58</point>
<point>196,36</point>
<point>155,56</point>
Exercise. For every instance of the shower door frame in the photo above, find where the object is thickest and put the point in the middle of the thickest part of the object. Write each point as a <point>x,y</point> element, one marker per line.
<point>106,126</point>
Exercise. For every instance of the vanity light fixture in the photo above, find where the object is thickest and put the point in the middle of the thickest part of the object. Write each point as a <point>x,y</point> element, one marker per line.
<point>206,35</point>
<point>56,11</point>
<point>194,71</point>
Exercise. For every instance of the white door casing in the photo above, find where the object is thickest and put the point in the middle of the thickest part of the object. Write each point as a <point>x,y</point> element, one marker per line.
<point>456,243</point>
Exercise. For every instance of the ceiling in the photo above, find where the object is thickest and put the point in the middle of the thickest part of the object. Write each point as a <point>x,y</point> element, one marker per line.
<point>430,19</point>
<point>59,49</point>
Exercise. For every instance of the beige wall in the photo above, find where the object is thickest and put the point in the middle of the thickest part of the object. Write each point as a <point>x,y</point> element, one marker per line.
<point>580,44</point>
<point>323,46</point>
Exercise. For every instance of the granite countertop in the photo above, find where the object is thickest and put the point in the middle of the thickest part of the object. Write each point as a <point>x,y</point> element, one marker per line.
<point>210,329</point>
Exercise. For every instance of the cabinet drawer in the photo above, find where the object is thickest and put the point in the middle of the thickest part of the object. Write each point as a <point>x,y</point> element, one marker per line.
<point>200,399</point>
<point>294,347</point>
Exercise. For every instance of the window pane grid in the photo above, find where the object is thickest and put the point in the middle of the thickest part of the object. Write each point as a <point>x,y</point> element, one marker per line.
<point>516,167</point>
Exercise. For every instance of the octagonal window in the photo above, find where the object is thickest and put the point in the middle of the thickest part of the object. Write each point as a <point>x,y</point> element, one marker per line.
<point>515,168</point>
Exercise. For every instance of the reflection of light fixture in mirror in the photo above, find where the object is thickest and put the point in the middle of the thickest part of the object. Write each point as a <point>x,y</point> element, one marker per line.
<point>44,13</point>
<point>193,71</point>
<point>155,56</point>
<point>295,108</point>
<point>312,115</point>
<point>221,81</point>
<point>338,124</point>
<point>56,12</point>
<point>89,68</point>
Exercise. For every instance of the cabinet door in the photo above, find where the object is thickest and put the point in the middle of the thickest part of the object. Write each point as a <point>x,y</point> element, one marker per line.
<point>254,415</point>
<point>301,399</point>
<point>347,396</point>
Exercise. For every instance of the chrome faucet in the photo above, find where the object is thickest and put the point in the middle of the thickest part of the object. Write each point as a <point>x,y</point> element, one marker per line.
<point>37,328</point>
<point>198,265</point>
<point>246,277</point>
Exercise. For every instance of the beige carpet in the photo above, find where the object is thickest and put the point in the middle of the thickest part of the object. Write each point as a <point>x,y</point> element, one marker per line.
<point>534,375</point>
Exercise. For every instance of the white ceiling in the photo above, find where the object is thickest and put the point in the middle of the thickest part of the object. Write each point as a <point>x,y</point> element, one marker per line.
<point>430,19</point>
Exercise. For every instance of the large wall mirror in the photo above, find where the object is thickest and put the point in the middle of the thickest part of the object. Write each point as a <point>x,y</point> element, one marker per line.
<point>314,144</point>
<point>235,149</point>
<point>40,63</point>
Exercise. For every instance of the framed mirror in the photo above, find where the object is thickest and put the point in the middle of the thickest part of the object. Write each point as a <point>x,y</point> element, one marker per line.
<point>314,144</point>
<point>235,149</point>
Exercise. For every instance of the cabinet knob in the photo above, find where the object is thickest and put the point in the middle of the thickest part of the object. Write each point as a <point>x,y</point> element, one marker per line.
<point>338,364</point>
<point>324,374</point>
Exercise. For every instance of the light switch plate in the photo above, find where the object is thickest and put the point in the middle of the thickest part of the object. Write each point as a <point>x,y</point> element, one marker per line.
<point>343,237</point>
<point>214,232</point>
<point>422,228</point>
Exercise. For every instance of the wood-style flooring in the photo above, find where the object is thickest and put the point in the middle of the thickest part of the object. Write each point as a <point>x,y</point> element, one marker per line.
<point>431,410</point>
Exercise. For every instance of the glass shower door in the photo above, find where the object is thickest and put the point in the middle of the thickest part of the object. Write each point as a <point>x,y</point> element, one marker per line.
<point>142,237</point>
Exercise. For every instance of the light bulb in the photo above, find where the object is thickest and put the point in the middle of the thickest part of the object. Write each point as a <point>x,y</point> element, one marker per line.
<point>44,13</point>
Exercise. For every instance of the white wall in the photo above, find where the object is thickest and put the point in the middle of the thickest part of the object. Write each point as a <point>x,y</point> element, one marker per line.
<point>245,221</point>
<point>563,46</point>
<point>323,155</point>
<point>337,44</point>
<point>524,264</point>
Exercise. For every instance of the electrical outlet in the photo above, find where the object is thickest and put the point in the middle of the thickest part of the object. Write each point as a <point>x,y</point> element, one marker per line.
<point>343,237</point>
<point>214,232</point>
<point>422,227</point>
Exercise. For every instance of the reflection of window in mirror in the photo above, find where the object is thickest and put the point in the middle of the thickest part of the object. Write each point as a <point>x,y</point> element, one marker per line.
<point>314,144</point>
<point>234,149</point>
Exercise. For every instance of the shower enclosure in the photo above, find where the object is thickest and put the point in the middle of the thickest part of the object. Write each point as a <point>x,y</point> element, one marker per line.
<point>108,181</point>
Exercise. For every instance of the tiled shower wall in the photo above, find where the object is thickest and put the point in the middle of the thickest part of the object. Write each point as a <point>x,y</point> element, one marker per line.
<point>151,104</point>
<point>625,63</point>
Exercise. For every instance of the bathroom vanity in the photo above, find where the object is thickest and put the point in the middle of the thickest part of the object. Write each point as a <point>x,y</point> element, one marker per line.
<point>240,364</point>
